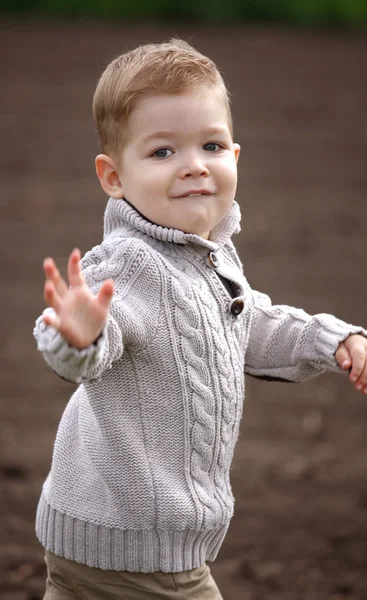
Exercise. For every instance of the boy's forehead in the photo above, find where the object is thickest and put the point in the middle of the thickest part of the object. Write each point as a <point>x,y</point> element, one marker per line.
<point>167,113</point>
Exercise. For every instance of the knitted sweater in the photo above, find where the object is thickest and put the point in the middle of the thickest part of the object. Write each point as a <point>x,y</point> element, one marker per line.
<point>140,472</point>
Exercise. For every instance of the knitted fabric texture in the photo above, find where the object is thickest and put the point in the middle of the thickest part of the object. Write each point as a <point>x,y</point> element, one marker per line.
<point>140,472</point>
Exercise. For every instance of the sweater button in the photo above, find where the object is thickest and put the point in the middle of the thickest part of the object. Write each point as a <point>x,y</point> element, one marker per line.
<point>213,260</point>
<point>237,306</point>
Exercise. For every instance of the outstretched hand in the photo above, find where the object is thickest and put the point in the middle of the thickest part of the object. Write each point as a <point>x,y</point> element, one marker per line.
<point>79,315</point>
<point>352,354</point>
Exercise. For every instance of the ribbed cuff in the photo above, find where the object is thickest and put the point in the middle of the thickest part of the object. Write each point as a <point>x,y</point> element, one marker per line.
<point>69,362</point>
<point>332,333</point>
<point>144,551</point>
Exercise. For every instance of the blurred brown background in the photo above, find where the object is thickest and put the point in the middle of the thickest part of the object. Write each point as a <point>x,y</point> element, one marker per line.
<point>299,102</point>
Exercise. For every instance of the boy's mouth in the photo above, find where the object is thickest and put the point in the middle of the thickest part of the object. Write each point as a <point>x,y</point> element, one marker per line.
<point>193,193</point>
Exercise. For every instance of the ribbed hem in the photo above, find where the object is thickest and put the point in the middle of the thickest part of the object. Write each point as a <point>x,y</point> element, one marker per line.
<point>144,551</point>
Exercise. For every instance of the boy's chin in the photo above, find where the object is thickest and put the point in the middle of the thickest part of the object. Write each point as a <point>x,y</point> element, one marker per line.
<point>204,234</point>
<point>198,223</point>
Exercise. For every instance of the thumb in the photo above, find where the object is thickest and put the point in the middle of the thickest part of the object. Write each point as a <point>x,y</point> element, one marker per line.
<point>342,357</point>
<point>105,293</point>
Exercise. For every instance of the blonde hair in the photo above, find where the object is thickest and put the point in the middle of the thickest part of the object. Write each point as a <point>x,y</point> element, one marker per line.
<point>171,67</point>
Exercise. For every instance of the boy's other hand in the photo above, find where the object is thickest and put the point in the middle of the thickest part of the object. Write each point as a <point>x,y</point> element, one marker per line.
<point>79,315</point>
<point>352,354</point>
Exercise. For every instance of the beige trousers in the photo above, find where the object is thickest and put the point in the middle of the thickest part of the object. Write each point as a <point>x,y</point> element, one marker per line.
<point>69,580</point>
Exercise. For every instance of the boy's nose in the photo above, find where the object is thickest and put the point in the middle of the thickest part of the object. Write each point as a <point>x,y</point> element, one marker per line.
<point>193,168</point>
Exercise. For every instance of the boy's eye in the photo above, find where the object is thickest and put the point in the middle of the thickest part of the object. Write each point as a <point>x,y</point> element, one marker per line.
<point>212,147</point>
<point>162,153</point>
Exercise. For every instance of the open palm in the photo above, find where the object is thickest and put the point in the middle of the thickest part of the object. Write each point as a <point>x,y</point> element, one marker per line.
<point>79,315</point>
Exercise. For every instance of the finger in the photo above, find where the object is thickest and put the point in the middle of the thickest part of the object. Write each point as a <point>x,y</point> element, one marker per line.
<point>52,320</point>
<point>342,357</point>
<point>52,273</point>
<point>362,379</point>
<point>49,267</point>
<point>74,271</point>
<point>358,355</point>
<point>50,296</point>
<point>105,294</point>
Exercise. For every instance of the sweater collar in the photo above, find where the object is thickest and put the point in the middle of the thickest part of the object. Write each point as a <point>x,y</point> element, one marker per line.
<point>120,213</point>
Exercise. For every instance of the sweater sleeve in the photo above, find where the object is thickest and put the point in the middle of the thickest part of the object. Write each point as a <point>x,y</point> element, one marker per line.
<point>288,344</point>
<point>128,323</point>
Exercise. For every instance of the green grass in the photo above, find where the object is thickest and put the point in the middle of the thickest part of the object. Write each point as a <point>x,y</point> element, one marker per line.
<point>350,13</point>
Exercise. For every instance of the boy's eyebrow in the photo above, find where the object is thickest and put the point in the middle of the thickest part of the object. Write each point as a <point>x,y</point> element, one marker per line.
<point>168,134</point>
<point>158,134</point>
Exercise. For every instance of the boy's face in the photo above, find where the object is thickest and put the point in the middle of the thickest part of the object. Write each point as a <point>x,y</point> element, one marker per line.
<point>179,144</point>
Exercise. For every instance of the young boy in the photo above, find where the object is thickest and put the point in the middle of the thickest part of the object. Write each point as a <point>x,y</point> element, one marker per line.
<point>158,326</point>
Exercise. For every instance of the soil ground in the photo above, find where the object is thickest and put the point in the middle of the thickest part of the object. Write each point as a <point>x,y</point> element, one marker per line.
<point>299,475</point>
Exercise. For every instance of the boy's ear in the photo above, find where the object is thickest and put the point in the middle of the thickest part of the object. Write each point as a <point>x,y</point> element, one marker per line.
<point>237,150</point>
<point>108,176</point>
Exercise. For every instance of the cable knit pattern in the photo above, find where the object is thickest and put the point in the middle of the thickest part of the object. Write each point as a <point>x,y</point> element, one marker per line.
<point>222,367</point>
<point>140,472</point>
<point>202,400</point>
